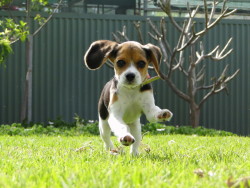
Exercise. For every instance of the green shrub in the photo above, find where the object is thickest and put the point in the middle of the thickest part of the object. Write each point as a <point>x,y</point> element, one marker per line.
<point>90,127</point>
<point>157,128</point>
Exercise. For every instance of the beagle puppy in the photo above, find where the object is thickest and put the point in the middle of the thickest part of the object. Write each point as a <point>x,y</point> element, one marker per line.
<point>124,98</point>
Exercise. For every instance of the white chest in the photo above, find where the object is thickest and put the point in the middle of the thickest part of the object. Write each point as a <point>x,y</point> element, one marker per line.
<point>129,104</point>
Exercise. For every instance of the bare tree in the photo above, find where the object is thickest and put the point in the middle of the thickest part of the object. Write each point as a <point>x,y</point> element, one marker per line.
<point>190,41</point>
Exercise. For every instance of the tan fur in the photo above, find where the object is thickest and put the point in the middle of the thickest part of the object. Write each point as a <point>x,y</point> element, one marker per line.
<point>114,98</point>
<point>131,54</point>
<point>124,98</point>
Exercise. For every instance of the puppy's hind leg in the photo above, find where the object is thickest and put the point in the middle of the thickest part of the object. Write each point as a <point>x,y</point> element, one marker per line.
<point>105,133</point>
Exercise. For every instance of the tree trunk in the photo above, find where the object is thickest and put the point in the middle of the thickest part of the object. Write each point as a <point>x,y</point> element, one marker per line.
<point>194,115</point>
<point>26,108</point>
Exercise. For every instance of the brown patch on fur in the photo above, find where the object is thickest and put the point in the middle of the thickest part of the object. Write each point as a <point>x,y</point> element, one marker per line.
<point>131,53</point>
<point>108,96</point>
<point>114,98</point>
<point>164,115</point>
<point>153,53</point>
<point>101,51</point>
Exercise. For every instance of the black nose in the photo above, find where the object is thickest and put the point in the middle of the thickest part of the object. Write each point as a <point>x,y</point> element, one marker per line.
<point>130,77</point>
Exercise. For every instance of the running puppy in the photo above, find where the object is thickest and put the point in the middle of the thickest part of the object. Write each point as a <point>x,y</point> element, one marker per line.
<point>125,98</point>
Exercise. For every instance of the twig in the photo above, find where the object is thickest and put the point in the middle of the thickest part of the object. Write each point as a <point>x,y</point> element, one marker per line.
<point>48,19</point>
<point>139,33</point>
<point>116,38</point>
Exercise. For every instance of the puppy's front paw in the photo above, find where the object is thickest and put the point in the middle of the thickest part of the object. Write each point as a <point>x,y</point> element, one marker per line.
<point>164,115</point>
<point>127,140</point>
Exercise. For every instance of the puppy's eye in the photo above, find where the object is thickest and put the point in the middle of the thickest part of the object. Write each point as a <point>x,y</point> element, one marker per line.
<point>121,63</point>
<point>141,64</point>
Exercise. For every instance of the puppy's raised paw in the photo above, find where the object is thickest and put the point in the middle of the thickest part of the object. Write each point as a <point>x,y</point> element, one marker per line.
<point>127,140</point>
<point>164,115</point>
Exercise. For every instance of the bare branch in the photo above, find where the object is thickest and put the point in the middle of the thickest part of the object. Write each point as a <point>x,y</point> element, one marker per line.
<point>206,97</point>
<point>163,43</point>
<point>221,55</point>
<point>174,23</point>
<point>230,13</point>
<point>223,74</point>
<point>109,64</point>
<point>194,12</point>
<point>224,49</point>
<point>116,38</point>
<point>211,25</point>
<point>212,11</point>
<point>224,5</point>
<point>154,28</point>
<point>165,6</point>
<point>176,90</point>
<point>202,70</point>
<point>202,56</point>
<point>48,19</point>
<point>213,51</point>
<point>219,85</point>
<point>164,52</point>
<point>190,41</point>
<point>153,36</point>
<point>171,62</point>
<point>205,87</point>
<point>179,44</point>
<point>232,76</point>
<point>14,41</point>
<point>163,28</point>
<point>123,33</point>
<point>201,77</point>
<point>189,10</point>
<point>206,13</point>
<point>139,33</point>
<point>224,8</point>
<point>217,58</point>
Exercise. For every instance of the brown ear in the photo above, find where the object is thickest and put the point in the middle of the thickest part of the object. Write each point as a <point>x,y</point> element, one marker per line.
<point>98,53</point>
<point>154,55</point>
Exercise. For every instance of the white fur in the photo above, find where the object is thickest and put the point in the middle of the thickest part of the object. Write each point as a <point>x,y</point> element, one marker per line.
<point>122,78</point>
<point>124,116</point>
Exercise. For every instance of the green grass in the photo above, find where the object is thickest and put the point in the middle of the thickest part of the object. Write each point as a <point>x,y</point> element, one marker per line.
<point>173,161</point>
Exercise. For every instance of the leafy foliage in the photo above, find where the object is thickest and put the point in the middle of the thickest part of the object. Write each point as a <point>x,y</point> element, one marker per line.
<point>11,32</point>
<point>5,50</point>
<point>157,128</point>
<point>41,20</point>
<point>39,129</point>
<point>4,2</point>
<point>89,127</point>
<point>38,5</point>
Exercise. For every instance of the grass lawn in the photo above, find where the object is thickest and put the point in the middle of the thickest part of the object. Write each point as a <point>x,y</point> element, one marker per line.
<point>173,161</point>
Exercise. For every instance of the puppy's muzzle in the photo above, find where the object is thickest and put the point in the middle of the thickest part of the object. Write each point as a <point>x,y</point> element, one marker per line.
<point>130,77</point>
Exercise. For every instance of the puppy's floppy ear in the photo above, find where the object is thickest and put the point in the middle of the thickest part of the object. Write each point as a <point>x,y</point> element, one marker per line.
<point>154,55</point>
<point>98,53</point>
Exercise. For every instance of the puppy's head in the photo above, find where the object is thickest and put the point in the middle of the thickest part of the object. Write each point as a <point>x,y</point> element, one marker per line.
<point>130,59</point>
